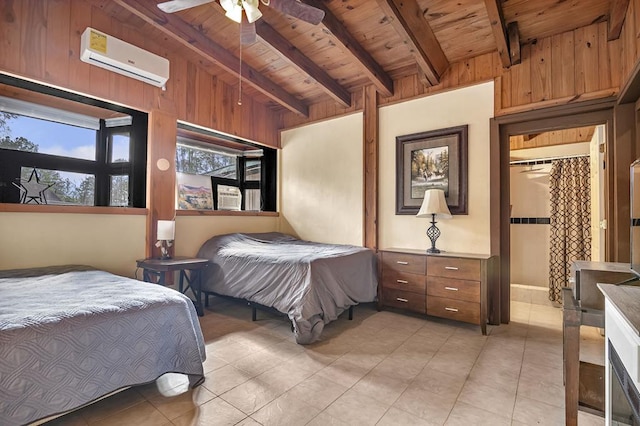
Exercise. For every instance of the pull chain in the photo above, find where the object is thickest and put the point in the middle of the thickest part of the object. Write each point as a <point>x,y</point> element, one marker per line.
<point>240,71</point>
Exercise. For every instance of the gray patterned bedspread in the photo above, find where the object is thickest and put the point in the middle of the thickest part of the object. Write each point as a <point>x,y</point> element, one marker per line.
<point>310,282</point>
<point>71,334</point>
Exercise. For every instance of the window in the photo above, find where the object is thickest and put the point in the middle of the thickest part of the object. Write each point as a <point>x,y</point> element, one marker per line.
<point>85,155</point>
<point>210,164</point>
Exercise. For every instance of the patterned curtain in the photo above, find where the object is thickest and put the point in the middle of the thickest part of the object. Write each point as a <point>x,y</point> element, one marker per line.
<point>570,220</point>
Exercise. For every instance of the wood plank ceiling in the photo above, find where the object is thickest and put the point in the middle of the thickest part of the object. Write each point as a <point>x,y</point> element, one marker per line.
<point>294,64</point>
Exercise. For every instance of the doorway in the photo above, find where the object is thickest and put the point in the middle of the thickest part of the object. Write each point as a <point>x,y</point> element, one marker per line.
<point>535,162</point>
<point>593,113</point>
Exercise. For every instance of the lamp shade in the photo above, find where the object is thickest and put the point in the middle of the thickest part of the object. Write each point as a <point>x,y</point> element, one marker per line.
<point>166,230</point>
<point>434,203</point>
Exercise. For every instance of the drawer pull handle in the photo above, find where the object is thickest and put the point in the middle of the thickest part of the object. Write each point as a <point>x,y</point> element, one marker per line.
<point>400,299</point>
<point>451,288</point>
<point>451,268</point>
<point>402,281</point>
<point>400,262</point>
<point>451,309</point>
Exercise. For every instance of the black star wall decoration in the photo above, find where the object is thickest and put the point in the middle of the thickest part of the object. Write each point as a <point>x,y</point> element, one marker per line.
<point>32,190</point>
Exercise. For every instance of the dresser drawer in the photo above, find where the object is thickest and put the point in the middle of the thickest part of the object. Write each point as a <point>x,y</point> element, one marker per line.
<point>453,309</point>
<point>404,281</point>
<point>404,300</point>
<point>454,289</point>
<point>454,267</point>
<point>404,262</point>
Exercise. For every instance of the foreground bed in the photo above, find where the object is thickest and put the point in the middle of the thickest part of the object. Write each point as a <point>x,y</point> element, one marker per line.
<point>69,335</point>
<point>310,282</point>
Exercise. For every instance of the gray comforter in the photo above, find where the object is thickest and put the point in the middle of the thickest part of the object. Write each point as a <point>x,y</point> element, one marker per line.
<point>310,282</point>
<point>69,335</point>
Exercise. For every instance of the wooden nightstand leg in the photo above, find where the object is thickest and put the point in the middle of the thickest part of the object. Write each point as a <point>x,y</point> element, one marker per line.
<point>197,291</point>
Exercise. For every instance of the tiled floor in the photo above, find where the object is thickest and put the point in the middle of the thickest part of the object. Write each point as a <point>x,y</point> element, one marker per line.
<point>382,368</point>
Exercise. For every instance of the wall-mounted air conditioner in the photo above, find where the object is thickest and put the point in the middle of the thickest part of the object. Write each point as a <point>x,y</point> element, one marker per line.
<point>103,50</point>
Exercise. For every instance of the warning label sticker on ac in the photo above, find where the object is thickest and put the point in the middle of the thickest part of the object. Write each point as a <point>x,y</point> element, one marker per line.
<point>98,42</point>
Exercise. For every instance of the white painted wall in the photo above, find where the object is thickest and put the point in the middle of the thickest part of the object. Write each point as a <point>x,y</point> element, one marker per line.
<point>193,231</point>
<point>322,181</point>
<point>464,233</point>
<point>108,242</point>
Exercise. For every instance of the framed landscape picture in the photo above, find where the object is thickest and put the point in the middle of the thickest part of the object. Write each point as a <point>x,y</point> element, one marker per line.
<point>432,160</point>
<point>194,192</point>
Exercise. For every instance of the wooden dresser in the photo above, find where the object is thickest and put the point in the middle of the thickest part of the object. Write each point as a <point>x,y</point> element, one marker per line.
<point>447,285</point>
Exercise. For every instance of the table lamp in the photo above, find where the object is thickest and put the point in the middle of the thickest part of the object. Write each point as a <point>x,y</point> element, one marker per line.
<point>166,234</point>
<point>434,204</point>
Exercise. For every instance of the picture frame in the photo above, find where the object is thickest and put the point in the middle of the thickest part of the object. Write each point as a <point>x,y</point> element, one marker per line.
<point>434,159</point>
<point>194,192</point>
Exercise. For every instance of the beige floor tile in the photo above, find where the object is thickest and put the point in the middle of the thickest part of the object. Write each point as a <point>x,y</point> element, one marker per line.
<point>355,408</point>
<point>438,382</point>
<point>213,363</point>
<point>216,412</point>
<point>257,363</point>
<point>142,414</point>
<point>251,396</point>
<point>456,362</point>
<point>231,350</point>
<point>381,387</point>
<point>495,400</point>
<point>223,379</point>
<point>497,375</point>
<point>424,404</point>
<point>530,412</point>
<point>285,410</point>
<point>324,419</point>
<point>285,377</point>
<point>318,391</point>
<point>395,417</point>
<point>175,406</point>
<point>248,422</point>
<point>464,414</point>
<point>310,360</point>
<point>588,419</point>
<point>403,365</point>
<point>541,390</point>
<point>344,372</point>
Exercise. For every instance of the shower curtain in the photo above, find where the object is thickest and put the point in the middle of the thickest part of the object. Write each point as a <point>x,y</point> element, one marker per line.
<point>570,237</point>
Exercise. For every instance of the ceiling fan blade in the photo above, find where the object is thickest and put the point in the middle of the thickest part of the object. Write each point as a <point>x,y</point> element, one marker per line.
<point>247,32</point>
<point>299,10</point>
<point>177,5</point>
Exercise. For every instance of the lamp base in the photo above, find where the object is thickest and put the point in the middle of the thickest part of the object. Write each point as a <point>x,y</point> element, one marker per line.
<point>433,250</point>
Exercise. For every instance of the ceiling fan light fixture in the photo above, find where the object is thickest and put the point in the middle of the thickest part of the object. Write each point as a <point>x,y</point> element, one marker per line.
<point>233,9</point>
<point>251,10</point>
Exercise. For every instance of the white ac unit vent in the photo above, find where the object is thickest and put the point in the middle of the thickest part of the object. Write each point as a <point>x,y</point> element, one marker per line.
<point>105,51</point>
<point>229,197</point>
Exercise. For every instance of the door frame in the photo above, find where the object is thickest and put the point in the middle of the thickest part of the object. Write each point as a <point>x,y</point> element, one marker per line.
<point>594,112</point>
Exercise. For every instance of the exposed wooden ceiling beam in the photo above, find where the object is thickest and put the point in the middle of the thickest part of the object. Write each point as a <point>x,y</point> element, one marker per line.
<point>193,39</point>
<point>514,42</point>
<point>617,13</point>
<point>409,22</point>
<point>270,36</point>
<point>496,18</point>
<point>376,74</point>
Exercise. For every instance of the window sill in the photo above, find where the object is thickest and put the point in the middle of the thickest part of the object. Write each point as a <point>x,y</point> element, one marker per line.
<point>41,208</point>
<point>225,213</point>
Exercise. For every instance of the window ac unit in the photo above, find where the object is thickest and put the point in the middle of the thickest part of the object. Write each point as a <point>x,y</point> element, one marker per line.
<point>229,197</point>
<point>105,51</point>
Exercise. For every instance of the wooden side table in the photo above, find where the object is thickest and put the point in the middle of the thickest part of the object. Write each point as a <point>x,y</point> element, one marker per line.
<point>155,270</point>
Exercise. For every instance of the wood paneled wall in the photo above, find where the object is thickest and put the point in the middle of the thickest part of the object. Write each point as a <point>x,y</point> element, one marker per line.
<point>40,40</point>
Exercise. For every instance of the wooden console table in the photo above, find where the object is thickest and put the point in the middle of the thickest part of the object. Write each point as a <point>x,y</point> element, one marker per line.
<point>583,304</point>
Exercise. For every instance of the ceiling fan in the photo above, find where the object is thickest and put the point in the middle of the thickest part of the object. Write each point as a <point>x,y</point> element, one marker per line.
<point>234,9</point>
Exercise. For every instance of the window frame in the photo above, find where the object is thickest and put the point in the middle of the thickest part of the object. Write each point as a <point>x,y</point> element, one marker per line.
<point>11,161</point>
<point>268,163</point>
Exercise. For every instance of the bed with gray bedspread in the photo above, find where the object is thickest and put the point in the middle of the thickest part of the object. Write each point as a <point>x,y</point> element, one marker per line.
<point>71,334</point>
<point>310,282</point>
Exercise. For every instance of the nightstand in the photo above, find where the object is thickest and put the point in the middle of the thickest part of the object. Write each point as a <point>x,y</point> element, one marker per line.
<point>155,270</point>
